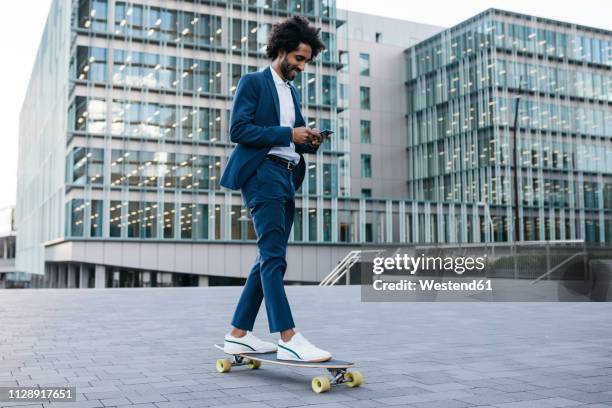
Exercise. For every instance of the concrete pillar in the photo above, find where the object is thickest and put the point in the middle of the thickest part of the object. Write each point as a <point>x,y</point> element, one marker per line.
<point>46,277</point>
<point>100,277</point>
<point>203,280</point>
<point>72,276</point>
<point>63,275</point>
<point>5,242</point>
<point>54,276</point>
<point>83,276</point>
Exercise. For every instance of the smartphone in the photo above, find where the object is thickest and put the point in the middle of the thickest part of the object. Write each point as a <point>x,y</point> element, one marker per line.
<point>326,133</point>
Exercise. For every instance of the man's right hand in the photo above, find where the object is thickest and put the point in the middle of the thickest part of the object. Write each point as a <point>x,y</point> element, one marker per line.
<point>302,135</point>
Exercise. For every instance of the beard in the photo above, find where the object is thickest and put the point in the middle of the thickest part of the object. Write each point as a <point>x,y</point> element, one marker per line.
<point>288,70</point>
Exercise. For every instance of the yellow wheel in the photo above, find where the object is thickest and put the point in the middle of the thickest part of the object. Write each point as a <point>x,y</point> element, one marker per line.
<point>223,365</point>
<point>320,384</point>
<point>354,379</point>
<point>254,364</point>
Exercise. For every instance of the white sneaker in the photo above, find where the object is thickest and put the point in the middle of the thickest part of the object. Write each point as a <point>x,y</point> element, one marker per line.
<point>300,349</point>
<point>246,344</point>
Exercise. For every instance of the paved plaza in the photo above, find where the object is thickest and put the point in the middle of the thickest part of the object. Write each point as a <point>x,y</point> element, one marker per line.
<point>153,348</point>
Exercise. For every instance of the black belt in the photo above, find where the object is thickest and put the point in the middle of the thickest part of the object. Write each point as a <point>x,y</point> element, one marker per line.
<point>286,163</point>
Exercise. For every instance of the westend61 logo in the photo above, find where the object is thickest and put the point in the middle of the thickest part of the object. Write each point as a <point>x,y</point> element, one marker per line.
<point>413,265</point>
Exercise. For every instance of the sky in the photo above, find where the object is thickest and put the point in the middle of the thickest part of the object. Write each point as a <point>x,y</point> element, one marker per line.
<point>22,24</point>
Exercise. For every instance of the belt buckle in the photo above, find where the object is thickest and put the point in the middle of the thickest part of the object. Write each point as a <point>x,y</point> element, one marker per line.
<point>288,165</point>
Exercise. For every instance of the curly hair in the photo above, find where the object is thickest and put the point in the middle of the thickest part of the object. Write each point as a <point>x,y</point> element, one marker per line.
<point>287,35</point>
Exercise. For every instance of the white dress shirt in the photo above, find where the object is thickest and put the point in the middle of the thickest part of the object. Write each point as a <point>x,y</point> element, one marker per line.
<point>287,117</point>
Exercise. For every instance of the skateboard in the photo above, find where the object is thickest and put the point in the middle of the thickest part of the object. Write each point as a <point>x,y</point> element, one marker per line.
<point>337,369</point>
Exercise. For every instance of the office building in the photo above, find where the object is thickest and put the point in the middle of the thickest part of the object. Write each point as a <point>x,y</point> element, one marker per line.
<point>124,135</point>
<point>463,85</point>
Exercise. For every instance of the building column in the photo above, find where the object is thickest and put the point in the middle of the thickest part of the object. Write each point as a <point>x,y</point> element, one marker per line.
<point>5,241</point>
<point>83,276</point>
<point>63,275</point>
<point>47,276</point>
<point>72,276</point>
<point>203,280</point>
<point>55,274</point>
<point>100,278</point>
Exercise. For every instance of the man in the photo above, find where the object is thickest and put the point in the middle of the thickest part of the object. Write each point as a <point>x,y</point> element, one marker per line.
<point>268,166</point>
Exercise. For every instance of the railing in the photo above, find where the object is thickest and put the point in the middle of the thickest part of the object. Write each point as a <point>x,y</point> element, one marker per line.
<point>533,261</point>
<point>344,266</point>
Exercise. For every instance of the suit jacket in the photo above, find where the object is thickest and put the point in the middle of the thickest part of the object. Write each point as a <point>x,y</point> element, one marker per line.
<point>255,127</point>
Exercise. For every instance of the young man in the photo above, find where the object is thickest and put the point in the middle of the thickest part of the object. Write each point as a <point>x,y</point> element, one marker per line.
<point>268,166</point>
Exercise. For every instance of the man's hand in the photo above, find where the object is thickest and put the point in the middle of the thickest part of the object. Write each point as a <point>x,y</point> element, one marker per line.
<point>301,135</point>
<point>317,139</point>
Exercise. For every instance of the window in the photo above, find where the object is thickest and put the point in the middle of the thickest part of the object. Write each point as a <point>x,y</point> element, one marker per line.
<point>77,217</point>
<point>366,165</point>
<point>96,218</point>
<point>114,219</point>
<point>366,192</point>
<point>343,96</point>
<point>378,37</point>
<point>364,97</point>
<point>344,60</point>
<point>364,64</point>
<point>366,134</point>
<point>168,220</point>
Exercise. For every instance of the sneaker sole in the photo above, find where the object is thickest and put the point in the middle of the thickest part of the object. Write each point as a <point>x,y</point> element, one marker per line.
<point>318,360</point>
<point>243,351</point>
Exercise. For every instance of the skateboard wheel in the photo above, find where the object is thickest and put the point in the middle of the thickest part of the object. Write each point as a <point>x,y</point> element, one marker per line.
<point>223,365</point>
<point>254,364</point>
<point>353,379</point>
<point>320,384</point>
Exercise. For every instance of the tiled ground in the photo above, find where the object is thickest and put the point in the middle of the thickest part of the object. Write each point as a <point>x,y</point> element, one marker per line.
<point>152,348</point>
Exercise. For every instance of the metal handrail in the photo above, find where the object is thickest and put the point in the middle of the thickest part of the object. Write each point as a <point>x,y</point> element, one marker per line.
<point>344,266</point>
<point>338,268</point>
<point>557,267</point>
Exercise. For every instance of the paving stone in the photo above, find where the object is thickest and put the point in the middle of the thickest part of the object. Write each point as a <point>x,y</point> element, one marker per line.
<point>152,348</point>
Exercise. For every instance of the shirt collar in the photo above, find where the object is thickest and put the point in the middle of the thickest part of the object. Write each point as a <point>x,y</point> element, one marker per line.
<point>277,79</point>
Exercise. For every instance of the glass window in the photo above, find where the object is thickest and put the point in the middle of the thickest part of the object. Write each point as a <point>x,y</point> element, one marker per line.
<point>114,219</point>
<point>366,134</point>
<point>364,64</point>
<point>77,217</point>
<point>200,221</point>
<point>96,222</point>
<point>328,90</point>
<point>312,224</point>
<point>344,60</point>
<point>364,97</point>
<point>312,178</point>
<point>366,165</point>
<point>297,225</point>
<point>168,220</point>
<point>330,179</point>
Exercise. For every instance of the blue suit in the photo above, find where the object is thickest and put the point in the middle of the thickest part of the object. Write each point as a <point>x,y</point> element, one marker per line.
<point>268,190</point>
<point>255,127</point>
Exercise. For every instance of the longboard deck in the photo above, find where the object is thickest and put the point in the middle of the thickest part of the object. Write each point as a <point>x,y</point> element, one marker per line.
<point>271,358</point>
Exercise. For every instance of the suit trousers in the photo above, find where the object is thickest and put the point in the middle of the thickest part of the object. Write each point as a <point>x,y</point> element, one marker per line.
<point>270,196</point>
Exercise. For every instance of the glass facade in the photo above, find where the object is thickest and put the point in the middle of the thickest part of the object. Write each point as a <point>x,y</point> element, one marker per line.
<point>462,108</point>
<point>151,88</point>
